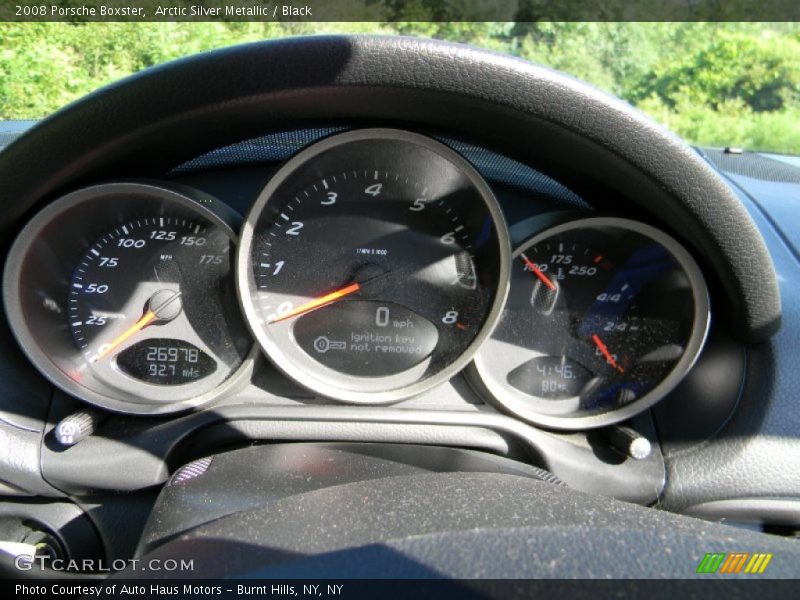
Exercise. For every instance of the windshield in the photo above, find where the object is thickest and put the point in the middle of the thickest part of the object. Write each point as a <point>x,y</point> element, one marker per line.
<point>714,84</point>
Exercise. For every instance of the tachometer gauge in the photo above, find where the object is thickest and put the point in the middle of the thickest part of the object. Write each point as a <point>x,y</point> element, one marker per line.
<point>373,264</point>
<point>604,317</point>
<point>123,295</point>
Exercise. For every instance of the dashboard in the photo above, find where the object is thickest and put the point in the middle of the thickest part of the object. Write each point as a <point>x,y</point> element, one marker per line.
<point>396,279</point>
<point>375,265</point>
<point>377,274</point>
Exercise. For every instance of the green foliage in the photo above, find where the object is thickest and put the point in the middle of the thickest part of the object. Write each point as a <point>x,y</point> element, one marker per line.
<point>716,84</point>
<point>733,123</point>
<point>761,71</point>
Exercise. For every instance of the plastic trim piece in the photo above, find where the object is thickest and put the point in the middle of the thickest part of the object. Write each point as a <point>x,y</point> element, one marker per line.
<point>129,457</point>
<point>767,511</point>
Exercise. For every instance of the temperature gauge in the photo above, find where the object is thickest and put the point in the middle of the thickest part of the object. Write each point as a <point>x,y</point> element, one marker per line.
<point>604,317</point>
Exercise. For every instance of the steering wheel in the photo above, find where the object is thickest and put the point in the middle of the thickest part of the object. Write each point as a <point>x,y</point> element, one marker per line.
<point>155,120</point>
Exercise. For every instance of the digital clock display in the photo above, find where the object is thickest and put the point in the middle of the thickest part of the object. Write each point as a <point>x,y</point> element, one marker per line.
<point>551,377</point>
<point>166,362</point>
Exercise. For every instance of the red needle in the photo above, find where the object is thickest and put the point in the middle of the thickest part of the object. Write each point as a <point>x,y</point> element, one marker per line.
<point>604,351</point>
<point>146,319</point>
<point>539,273</point>
<point>319,302</point>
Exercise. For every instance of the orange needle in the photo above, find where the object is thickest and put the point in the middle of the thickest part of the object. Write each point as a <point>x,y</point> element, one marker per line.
<point>604,351</point>
<point>319,302</point>
<point>545,279</point>
<point>146,319</point>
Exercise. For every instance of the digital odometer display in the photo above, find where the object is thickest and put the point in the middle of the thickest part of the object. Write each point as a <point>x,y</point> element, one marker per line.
<point>604,317</point>
<point>166,362</point>
<point>372,263</point>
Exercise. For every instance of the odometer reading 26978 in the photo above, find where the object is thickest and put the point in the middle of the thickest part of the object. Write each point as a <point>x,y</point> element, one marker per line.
<point>372,265</point>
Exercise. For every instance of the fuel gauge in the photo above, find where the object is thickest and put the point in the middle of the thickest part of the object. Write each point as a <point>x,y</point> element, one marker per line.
<point>604,317</point>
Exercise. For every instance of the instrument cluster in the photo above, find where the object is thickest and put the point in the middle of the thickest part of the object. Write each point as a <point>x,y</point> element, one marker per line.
<point>375,265</point>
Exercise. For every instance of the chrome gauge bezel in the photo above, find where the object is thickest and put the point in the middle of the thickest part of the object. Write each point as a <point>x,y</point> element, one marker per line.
<point>480,376</point>
<point>91,210</point>
<point>246,281</point>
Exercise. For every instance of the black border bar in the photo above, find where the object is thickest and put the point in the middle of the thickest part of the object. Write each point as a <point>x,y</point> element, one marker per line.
<point>391,11</point>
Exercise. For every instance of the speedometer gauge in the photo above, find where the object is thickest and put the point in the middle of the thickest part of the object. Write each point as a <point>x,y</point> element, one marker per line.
<point>123,295</point>
<point>604,317</point>
<point>145,301</point>
<point>373,264</point>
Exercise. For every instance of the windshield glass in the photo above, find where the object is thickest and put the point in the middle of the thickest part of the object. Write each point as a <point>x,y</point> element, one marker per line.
<point>714,84</point>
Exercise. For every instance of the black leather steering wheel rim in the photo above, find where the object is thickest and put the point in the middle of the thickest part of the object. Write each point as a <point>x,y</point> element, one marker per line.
<point>155,120</point>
